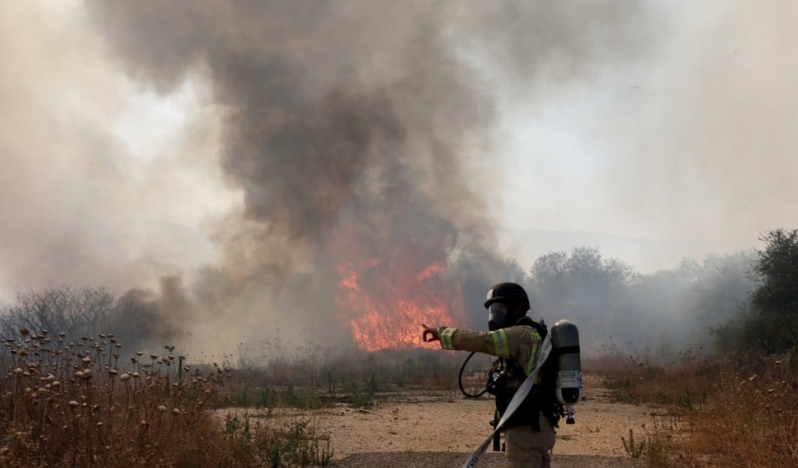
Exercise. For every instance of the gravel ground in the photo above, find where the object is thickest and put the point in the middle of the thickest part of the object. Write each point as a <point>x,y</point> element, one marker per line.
<point>439,429</point>
<point>455,460</point>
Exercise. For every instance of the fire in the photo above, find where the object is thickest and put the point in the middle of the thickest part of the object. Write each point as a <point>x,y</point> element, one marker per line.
<point>385,296</point>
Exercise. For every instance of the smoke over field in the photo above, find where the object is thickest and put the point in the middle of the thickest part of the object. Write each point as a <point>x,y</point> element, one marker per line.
<point>330,172</point>
<point>351,139</point>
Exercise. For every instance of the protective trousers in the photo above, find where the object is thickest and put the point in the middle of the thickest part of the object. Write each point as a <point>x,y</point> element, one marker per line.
<point>526,448</point>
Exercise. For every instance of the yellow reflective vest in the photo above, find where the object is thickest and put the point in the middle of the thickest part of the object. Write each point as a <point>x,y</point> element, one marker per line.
<point>519,342</point>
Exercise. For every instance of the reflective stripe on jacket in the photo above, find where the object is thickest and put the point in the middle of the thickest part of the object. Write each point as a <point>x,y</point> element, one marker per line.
<point>519,342</point>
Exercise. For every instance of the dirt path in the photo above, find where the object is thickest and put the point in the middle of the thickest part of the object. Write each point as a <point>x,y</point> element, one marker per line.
<point>440,429</point>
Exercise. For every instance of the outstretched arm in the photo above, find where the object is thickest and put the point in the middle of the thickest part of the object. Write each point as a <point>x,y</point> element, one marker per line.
<point>521,343</point>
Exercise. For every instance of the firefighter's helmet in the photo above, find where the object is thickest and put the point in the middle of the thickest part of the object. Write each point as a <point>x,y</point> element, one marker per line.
<point>508,293</point>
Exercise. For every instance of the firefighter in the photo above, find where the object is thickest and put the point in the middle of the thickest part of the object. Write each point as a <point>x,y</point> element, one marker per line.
<point>514,337</point>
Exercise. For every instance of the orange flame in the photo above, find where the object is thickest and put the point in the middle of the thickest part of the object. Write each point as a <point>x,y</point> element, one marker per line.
<point>383,301</point>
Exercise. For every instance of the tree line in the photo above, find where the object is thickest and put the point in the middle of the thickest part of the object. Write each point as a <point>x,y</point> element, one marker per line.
<point>86,311</point>
<point>742,300</point>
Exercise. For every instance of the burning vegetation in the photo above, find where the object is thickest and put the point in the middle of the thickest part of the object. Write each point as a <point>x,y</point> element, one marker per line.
<point>393,276</point>
<point>356,136</point>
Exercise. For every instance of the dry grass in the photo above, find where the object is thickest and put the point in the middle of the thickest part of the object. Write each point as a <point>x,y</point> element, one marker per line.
<point>635,379</point>
<point>74,404</point>
<point>355,378</point>
<point>724,412</point>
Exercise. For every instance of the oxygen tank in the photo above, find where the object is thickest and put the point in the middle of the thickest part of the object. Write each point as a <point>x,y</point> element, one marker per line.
<point>565,349</point>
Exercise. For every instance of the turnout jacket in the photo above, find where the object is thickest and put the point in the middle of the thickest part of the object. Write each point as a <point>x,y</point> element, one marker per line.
<point>519,342</point>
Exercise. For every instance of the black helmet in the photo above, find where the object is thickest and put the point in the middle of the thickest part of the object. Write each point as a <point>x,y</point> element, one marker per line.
<point>510,293</point>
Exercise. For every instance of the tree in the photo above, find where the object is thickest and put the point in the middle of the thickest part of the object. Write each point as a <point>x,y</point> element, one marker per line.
<point>773,322</point>
<point>723,287</point>
<point>583,266</point>
<point>74,311</point>
<point>582,286</point>
<point>720,297</point>
<point>137,317</point>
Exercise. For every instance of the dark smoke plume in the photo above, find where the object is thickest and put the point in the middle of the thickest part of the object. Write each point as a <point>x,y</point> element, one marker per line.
<point>365,117</point>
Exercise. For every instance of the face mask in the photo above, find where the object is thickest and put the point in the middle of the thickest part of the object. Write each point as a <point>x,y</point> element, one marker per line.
<point>497,316</point>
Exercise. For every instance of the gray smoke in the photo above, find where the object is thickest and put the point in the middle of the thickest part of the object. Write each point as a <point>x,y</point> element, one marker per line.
<point>327,102</point>
<point>364,119</point>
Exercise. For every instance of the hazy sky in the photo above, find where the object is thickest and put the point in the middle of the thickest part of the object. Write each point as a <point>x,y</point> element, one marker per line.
<point>694,143</point>
<point>681,144</point>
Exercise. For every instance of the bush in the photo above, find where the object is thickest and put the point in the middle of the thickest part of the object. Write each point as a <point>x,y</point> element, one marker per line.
<point>773,324</point>
<point>720,412</point>
<point>75,404</point>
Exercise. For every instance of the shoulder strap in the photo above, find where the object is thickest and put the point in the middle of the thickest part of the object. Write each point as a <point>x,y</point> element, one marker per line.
<point>541,329</point>
<point>520,395</point>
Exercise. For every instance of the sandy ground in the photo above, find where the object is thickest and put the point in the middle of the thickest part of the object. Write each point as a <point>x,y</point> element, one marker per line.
<point>424,429</point>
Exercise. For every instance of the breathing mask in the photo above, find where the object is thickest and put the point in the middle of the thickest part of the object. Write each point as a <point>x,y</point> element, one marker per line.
<point>497,316</point>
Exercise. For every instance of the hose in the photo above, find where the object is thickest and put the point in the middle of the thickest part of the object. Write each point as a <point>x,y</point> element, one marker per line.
<point>460,380</point>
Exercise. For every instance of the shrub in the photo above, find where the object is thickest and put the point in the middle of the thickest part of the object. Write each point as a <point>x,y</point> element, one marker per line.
<point>724,412</point>
<point>75,404</point>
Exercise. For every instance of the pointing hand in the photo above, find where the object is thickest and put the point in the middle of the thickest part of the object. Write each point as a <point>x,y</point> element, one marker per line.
<point>435,336</point>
